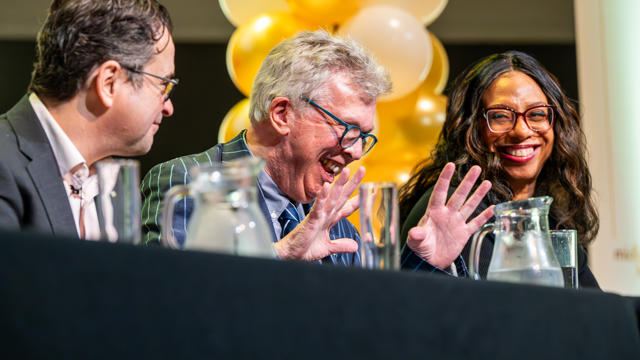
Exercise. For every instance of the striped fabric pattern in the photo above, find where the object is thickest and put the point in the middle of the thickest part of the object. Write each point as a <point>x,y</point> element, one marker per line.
<point>413,262</point>
<point>288,219</point>
<point>164,176</point>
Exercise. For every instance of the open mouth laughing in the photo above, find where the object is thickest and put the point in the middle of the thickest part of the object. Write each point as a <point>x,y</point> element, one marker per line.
<point>331,167</point>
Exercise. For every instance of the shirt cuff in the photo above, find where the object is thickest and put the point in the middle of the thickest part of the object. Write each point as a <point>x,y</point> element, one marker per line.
<point>413,262</point>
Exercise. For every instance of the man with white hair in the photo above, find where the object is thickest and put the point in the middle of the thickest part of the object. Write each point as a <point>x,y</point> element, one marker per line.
<point>312,112</point>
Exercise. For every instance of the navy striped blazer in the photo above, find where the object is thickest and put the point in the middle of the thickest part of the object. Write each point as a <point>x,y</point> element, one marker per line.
<point>174,172</point>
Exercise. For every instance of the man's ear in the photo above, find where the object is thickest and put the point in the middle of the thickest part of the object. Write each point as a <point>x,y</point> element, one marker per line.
<point>281,115</point>
<point>105,81</point>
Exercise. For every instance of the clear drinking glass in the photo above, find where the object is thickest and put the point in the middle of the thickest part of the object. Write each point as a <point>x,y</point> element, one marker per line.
<point>118,201</point>
<point>565,245</point>
<point>379,248</point>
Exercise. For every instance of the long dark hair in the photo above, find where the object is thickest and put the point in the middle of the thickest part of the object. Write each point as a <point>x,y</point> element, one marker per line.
<point>565,175</point>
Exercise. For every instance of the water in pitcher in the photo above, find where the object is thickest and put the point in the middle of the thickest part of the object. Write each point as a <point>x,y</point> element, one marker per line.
<point>542,276</point>
<point>226,217</point>
<point>522,250</point>
<point>226,229</point>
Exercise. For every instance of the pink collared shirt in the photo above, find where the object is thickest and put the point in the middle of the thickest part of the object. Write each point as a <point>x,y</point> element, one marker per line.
<point>81,186</point>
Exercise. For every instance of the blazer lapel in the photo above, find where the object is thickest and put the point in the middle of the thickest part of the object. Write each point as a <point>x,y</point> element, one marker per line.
<point>235,149</point>
<point>43,167</point>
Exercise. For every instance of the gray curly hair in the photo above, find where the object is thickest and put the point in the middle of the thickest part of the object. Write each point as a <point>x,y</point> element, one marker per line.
<point>300,66</point>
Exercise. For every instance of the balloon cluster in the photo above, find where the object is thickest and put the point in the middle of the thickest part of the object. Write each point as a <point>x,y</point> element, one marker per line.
<point>394,31</point>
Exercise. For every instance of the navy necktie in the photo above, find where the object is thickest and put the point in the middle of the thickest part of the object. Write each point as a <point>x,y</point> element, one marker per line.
<point>288,220</point>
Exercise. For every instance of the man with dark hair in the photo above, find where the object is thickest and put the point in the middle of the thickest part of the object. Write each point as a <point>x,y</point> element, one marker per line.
<point>100,87</point>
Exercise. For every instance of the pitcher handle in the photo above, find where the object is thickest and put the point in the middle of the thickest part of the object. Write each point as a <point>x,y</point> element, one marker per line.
<point>474,255</point>
<point>174,195</point>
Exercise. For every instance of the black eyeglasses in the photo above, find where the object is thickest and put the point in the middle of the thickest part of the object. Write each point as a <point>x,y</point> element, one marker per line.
<point>351,133</point>
<point>169,84</point>
<point>503,119</point>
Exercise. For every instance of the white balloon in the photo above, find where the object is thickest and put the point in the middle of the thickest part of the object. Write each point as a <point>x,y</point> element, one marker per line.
<point>425,10</point>
<point>398,41</point>
<point>239,11</point>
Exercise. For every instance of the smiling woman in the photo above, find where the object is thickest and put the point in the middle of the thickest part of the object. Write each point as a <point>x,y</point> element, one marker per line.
<point>508,114</point>
<point>523,140</point>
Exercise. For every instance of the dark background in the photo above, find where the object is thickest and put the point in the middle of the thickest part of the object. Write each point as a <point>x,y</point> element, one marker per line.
<point>206,92</point>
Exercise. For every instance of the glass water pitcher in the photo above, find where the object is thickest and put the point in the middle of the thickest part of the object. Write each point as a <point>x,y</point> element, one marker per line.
<point>522,251</point>
<point>226,216</point>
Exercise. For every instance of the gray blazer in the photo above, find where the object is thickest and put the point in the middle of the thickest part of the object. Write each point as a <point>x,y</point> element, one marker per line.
<point>32,194</point>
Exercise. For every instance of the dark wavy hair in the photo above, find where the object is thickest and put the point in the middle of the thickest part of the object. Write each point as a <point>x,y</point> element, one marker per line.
<point>79,35</point>
<point>565,175</point>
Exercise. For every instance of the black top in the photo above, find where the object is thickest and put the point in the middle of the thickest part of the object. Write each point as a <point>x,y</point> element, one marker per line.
<point>585,276</point>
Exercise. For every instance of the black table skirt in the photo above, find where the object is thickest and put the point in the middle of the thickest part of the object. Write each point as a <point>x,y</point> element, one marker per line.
<point>62,298</point>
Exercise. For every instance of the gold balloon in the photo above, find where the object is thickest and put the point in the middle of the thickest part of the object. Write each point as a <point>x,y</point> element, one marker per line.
<point>355,219</point>
<point>394,167</point>
<point>393,158</point>
<point>236,120</point>
<point>394,109</point>
<point>393,163</point>
<point>414,126</point>
<point>405,138</point>
<point>398,156</point>
<point>239,12</point>
<point>251,43</point>
<point>423,126</point>
<point>438,75</point>
<point>324,12</point>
